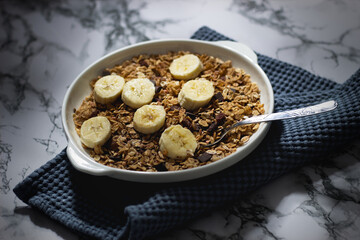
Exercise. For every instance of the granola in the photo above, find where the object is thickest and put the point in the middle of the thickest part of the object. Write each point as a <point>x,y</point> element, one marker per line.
<point>235,97</point>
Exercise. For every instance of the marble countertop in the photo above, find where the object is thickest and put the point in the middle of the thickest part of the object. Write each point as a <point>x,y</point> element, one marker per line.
<point>44,45</point>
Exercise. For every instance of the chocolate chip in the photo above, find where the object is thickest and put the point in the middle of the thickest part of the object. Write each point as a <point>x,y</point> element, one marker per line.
<point>161,167</point>
<point>212,127</point>
<point>186,123</point>
<point>106,72</point>
<point>156,72</point>
<point>143,62</point>
<point>204,157</point>
<point>113,145</point>
<point>196,126</point>
<point>158,89</point>
<point>219,96</point>
<point>116,158</point>
<point>153,81</point>
<point>174,107</point>
<point>192,115</point>
<point>220,118</point>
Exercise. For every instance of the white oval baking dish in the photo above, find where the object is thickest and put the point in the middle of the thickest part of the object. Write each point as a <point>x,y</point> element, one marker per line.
<point>240,55</point>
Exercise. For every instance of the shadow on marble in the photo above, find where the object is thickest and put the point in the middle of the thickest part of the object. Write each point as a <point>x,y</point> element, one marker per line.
<point>44,222</point>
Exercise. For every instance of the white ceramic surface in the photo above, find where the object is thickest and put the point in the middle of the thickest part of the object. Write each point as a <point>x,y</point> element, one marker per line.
<point>240,55</point>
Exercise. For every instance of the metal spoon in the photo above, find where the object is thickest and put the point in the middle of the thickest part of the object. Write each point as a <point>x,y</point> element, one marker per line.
<point>300,112</point>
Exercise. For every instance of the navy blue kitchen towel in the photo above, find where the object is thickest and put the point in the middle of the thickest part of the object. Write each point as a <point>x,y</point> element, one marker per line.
<point>106,208</point>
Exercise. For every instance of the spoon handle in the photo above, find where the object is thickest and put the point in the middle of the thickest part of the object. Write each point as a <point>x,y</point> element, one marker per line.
<point>300,112</point>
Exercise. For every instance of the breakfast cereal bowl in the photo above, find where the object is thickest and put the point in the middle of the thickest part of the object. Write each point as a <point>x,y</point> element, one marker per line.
<point>241,57</point>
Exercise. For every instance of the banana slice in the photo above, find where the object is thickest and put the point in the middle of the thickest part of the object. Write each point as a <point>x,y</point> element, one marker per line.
<point>95,131</point>
<point>186,67</point>
<point>107,89</point>
<point>177,142</point>
<point>138,92</point>
<point>149,118</point>
<point>196,93</point>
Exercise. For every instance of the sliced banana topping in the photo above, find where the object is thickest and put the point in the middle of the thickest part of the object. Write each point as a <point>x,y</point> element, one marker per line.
<point>108,88</point>
<point>177,142</point>
<point>196,93</point>
<point>149,118</point>
<point>138,92</point>
<point>186,67</point>
<point>95,131</point>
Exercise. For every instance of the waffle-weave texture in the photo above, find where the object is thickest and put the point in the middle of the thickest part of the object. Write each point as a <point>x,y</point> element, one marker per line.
<point>105,208</point>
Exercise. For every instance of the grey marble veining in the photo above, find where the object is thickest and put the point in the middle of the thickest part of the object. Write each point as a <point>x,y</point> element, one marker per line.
<point>5,153</point>
<point>314,27</point>
<point>44,45</point>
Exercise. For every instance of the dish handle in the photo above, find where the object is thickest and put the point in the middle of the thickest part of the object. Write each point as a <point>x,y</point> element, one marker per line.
<point>78,160</point>
<point>240,47</point>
